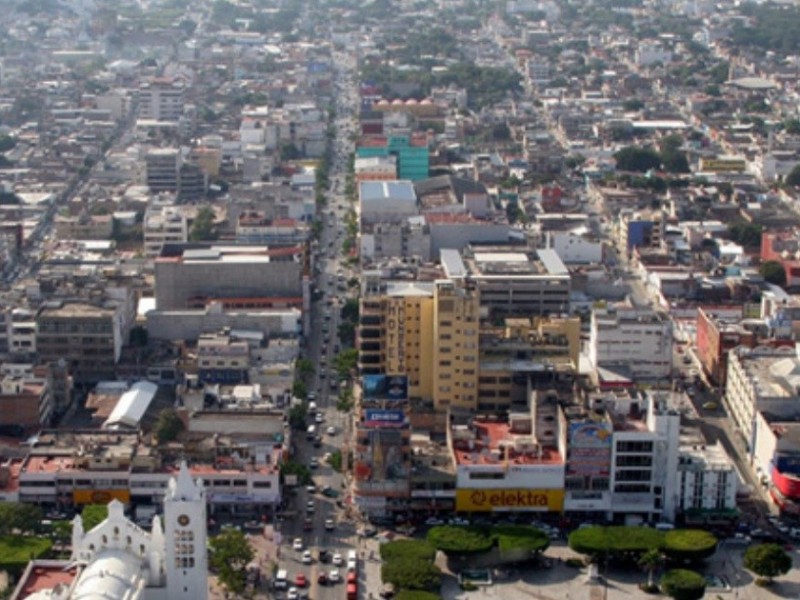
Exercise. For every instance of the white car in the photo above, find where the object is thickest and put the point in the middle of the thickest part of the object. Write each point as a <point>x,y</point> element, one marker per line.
<point>334,576</point>
<point>329,524</point>
<point>310,506</point>
<point>331,430</point>
<point>313,463</point>
<point>307,559</point>
<point>319,418</point>
<point>297,544</point>
<point>337,559</point>
<point>292,594</point>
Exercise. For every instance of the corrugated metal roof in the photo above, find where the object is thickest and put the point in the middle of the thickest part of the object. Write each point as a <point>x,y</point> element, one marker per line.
<point>132,405</point>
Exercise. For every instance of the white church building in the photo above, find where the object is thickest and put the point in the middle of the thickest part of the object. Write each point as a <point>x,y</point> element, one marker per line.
<point>119,560</point>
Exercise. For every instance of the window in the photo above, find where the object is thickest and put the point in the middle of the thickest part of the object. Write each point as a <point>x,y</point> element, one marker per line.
<point>485,476</point>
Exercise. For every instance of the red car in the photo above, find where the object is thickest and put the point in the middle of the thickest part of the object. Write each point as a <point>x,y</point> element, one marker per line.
<point>300,580</point>
<point>308,525</point>
<point>352,577</point>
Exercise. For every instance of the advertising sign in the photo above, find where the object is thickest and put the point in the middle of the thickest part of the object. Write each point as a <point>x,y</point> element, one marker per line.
<point>385,387</point>
<point>384,418</point>
<point>589,451</point>
<point>382,460</point>
<point>100,496</point>
<point>509,500</point>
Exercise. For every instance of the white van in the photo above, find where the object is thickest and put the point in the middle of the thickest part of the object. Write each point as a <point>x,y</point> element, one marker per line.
<point>281,580</point>
<point>312,407</point>
<point>311,432</point>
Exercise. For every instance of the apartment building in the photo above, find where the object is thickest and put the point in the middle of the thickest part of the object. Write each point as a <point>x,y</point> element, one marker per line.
<point>161,100</point>
<point>163,225</point>
<point>633,342</point>
<point>88,337</point>
<point>162,168</point>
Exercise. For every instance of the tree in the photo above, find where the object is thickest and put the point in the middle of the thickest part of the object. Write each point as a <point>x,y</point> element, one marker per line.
<point>297,416</point>
<point>350,310</point>
<point>20,518</point>
<point>615,542</point>
<point>92,515</point>
<point>452,539</point>
<point>230,553</point>
<point>412,574</point>
<point>673,159</point>
<point>767,561</point>
<point>682,584</point>
<point>168,426</point>
<point>632,158</point>
<point>203,225</point>
<point>305,369</point>
<point>773,272</point>
<point>689,544</point>
<point>302,472</point>
<point>793,178</point>
<point>345,362</point>
<point>7,142</point>
<point>650,561</point>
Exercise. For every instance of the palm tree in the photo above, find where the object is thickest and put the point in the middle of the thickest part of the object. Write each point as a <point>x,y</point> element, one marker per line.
<point>650,560</point>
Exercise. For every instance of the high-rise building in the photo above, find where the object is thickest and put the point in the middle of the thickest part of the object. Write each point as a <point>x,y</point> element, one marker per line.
<point>161,100</point>
<point>425,330</point>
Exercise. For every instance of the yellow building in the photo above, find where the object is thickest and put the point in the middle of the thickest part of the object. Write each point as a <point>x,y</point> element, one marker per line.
<point>427,331</point>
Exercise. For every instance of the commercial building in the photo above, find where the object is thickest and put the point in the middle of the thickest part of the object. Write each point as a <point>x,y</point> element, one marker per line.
<point>524,354</point>
<point>707,484</point>
<point>382,450</point>
<point>70,469</point>
<point>633,342</point>
<point>376,168</point>
<point>509,466</point>
<point>254,227</point>
<point>716,337</point>
<point>162,168</point>
<point>411,151</point>
<point>221,359</point>
<point>194,275</point>
<point>513,280</point>
<point>88,338</point>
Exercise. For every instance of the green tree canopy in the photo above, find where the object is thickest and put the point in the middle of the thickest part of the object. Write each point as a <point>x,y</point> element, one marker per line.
<point>793,178</point>
<point>459,540</point>
<point>746,234</point>
<point>203,225</point>
<point>689,544</point>
<point>682,584</point>
<point>412,574</point>
<point>773,272</point>
<point>230,553</point>
<point>93,514</point>
<point>168,426</point>
<point>7,142</point>
<point>633,158</point>
<point>767,561</point>
<point>297,416</point>
<point>404,549</point>
<point>18,517</point>
<point>615,541</point>
<point>672,157</point>
<point>345,362</point>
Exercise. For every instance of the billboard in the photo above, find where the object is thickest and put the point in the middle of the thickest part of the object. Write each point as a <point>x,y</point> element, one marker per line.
<point>382,458</point>
<point>392,388</point>
<point>384,418</point>
<point>100,496</point>
<point>489,500</point>
<point>589,449</point>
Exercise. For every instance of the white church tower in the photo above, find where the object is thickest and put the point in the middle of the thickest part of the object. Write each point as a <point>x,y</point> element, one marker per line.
<point>185,538</point>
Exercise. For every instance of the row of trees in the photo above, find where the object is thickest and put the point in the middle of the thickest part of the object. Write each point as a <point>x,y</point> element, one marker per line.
<point>668,157</point>
<point>623,543</point>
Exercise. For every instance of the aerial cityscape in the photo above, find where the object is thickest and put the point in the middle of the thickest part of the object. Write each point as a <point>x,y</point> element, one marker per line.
<point>345,300</point>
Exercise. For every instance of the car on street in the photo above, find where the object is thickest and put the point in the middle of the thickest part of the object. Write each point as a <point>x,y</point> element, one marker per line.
<point>331,430</point>
<point>337,559</point>
<point>308,525</point>
<point>307,558</point>
<point>310,506</point>
<point>292,594</point>
<point>319,418</point>
<point>322,579</point>
<point>313,463</point>
<point>329,524</point>
<point>334,576</point>
<point>324,556</point>
<point>300,580</point>
<point>297,544</point>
